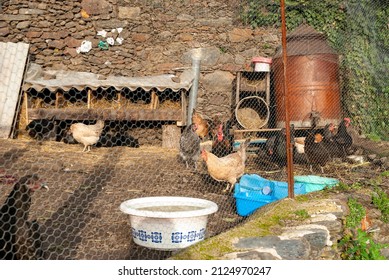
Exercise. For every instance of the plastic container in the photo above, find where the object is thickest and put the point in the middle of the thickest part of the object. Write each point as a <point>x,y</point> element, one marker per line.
<point>281,189</point>
<point>261,64</point>
<point>251,193</point>
<point>168,222</point>
<point>248,200</point>
<point>315,183</point>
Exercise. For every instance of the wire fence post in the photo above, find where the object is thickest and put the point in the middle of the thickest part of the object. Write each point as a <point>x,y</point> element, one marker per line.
<point>289,147</point>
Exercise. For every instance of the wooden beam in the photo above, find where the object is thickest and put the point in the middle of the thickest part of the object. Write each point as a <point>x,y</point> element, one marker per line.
<point>107,114</point>
<point>89,98</point>
<point>57,99</point>
<point>268,89</point>
<point>27,109</point>
<point>171,136</point>
<point>184,106</point>
<point>268,129</point>
<point>154,100</point>
<point>237,91</point>
<point>119,100</point>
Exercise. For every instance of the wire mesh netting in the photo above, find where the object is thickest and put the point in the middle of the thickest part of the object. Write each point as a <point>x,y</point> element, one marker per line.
<point>95,148</point>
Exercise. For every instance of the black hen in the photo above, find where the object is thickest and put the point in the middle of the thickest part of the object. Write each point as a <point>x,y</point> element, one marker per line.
<point>342,139</point>
<point>20,238</point>
<point>190,145</point>
<point>315,150</point>
<point>223,140</point>
<point>329,133</point>
<point>279,149</point>
<point>270,144</point>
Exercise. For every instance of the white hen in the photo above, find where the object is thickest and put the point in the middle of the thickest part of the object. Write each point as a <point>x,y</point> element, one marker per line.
<point>87,134</point>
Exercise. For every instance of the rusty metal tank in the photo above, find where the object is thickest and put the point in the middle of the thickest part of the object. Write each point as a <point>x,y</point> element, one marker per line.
<point>313,80</point>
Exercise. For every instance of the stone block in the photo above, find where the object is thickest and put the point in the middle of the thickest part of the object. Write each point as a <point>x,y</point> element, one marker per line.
<point>130,13</point>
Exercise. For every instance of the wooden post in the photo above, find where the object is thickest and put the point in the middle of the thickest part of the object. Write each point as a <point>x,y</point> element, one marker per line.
<point>56,99</point>
<point>89,98</point>
<point>26,104</point>
<point>154,100</point>
<point>268,88</point>
<point>237,92</point>
<point>184,105</point>
<point>289,151</point>
<point>171,136</point>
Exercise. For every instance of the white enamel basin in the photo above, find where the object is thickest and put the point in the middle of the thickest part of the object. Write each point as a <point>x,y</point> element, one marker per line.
<point>168,222</point>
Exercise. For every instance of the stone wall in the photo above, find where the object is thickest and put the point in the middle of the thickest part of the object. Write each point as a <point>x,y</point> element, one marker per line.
<point>158,36</point>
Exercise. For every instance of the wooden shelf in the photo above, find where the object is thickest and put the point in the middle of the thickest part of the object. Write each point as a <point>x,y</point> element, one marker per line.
<point>107,114</point>
<point>258,83</point>
<point>110,111</point>
<point>252,84</point>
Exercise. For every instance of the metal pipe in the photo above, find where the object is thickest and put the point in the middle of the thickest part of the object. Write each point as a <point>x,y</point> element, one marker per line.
<point>289,147</point>
<point>196,58</point>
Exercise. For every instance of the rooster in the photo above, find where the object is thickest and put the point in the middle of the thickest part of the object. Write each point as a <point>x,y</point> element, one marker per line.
<point>190,145</point>
<point>228,168</point>
<point>222,144</point>
<point>202,125</point>
<point>87,135</point>
<point>20,238</point>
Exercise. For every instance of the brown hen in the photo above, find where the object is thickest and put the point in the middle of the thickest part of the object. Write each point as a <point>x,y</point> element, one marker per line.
<point>202,124</point>
<point>228,168</point>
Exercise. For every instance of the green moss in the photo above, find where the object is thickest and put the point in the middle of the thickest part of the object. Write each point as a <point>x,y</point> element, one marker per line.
<point>302,198</point>
<point>302,214</point>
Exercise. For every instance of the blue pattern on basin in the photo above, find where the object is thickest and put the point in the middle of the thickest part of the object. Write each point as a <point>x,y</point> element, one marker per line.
<point>179,237</point>
<point>156,237</point>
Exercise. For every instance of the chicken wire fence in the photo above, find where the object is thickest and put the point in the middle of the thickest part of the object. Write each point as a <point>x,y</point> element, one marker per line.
<point>151,153</point>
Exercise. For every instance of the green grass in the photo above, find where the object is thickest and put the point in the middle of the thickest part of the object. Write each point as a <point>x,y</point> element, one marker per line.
<point>357,244</point>
<point>357,212</point>
<point>381,200</point>
<point>360,246</point>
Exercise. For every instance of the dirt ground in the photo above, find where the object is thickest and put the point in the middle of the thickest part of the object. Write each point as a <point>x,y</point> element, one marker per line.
<point>80,216</point>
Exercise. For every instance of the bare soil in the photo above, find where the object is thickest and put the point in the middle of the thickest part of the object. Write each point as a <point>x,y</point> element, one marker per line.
<point>80,216</point>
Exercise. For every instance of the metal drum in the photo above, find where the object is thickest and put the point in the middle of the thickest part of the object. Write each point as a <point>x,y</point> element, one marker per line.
<point>313,79</point>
